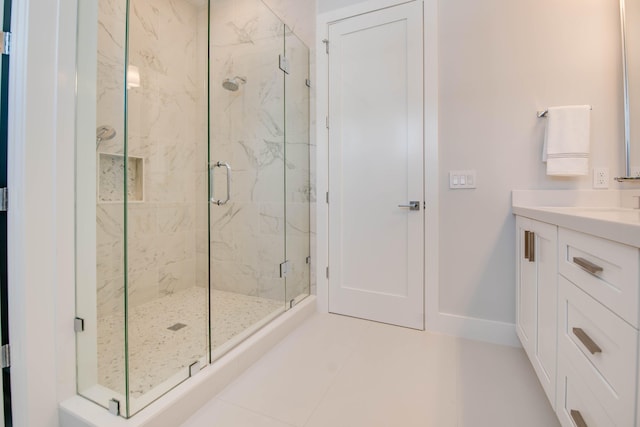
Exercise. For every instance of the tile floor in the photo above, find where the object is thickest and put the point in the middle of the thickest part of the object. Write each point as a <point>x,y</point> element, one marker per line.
<point>149,333</point>
<point>336,371</point>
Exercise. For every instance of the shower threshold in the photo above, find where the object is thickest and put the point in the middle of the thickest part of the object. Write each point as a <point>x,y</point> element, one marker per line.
<point>178,404</point>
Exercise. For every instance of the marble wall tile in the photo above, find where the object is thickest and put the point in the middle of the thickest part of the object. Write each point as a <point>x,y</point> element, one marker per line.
<point>248,130</point>
<point>166,119</point>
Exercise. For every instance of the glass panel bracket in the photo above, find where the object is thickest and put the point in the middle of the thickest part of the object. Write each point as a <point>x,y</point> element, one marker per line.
<point>194,368</point>
<point>114,407</point>
<point>78,324</point>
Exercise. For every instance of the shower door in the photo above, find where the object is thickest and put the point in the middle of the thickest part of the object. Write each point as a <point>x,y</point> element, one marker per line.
<point>247,163</point>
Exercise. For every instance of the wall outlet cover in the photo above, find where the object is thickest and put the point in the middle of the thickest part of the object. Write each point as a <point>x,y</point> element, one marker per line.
<point>600,178</point>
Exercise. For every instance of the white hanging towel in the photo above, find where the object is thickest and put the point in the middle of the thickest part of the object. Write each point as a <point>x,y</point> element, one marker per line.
<point>566,141</point>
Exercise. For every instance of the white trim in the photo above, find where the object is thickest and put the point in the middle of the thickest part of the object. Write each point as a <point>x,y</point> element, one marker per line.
<point>40,218</point>
<point>430,16</point>
<point>476,329</point>
<point>431,166</point>
<point>461,326</point>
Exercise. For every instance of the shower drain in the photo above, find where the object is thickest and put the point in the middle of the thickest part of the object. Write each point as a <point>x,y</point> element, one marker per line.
<point>177,327</point>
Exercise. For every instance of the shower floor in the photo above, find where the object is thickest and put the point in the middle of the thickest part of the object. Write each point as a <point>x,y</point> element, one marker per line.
<point>167,335</point>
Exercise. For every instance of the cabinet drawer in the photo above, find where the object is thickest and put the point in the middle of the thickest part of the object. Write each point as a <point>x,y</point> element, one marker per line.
<point>602,348</point>
<point>606,270</point>
<point>576,402</point>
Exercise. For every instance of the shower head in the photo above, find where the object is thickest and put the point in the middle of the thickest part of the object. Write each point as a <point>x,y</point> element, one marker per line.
<point>234,83</point>
<point>104,133</point>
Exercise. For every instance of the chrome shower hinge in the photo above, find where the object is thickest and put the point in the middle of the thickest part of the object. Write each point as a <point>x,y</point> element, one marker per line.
<point>4,199</point>
<point>284,64</point>
<point>5,48</point>
<point>284,269</point>
<point>5,356</point>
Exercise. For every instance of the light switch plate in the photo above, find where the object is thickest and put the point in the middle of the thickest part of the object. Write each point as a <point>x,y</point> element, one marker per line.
<point>462,180</point>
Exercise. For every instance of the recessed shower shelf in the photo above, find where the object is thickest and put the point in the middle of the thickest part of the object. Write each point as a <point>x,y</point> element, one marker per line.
<point>111,178</point>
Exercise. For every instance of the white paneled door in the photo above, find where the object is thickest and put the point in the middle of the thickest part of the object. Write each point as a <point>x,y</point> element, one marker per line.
<point>376,241</point>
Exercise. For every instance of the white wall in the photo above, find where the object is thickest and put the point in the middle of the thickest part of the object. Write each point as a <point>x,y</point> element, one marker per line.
<point>499,62</point>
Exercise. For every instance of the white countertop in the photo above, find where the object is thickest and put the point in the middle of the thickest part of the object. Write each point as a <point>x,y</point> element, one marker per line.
<point>613,223</point>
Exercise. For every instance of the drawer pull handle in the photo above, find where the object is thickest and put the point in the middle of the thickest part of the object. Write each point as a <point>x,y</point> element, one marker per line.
<point>577,418</point>
<point>587,341</point>
<point>526,244</point>
<point>587,265</point>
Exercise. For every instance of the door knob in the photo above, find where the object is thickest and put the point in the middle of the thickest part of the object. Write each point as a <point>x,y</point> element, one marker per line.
<point>413,205</point>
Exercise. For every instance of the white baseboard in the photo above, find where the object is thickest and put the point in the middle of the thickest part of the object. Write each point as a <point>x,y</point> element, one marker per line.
<point>476,329</point>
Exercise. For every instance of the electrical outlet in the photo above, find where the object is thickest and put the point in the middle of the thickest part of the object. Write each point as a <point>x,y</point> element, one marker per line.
<point>635,171</point>
<point>600,178</point>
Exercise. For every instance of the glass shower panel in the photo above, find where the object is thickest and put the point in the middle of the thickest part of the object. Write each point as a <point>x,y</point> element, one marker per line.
<point>247,134</point>
<point>298,188</point>
<point>166,155</point>
<point>100,201</point>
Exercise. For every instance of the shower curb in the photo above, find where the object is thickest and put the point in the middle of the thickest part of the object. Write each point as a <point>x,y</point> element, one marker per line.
<point>175,407</point>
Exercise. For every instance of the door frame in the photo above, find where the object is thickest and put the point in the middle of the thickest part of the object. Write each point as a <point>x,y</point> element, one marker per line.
<point>430,99</point>
<point>5,396</point>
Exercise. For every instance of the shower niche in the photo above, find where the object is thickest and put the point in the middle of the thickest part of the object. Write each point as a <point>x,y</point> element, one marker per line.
<point>111,177</point>
<point>167,281</point>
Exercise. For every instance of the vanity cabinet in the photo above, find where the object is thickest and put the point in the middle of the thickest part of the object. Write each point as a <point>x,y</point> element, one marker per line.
<point>577,316</point>
<point>536,294</point>
<point>597,331</point>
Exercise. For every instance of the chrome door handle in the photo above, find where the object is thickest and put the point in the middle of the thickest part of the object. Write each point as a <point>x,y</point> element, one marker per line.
<point>413,205</point>
<point>212,197</point>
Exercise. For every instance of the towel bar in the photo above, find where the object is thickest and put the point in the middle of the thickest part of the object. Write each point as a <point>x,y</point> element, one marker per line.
<point>544,113</point>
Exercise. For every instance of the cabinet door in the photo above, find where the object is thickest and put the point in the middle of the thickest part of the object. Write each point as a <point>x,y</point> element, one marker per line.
<point>546,260</point>
<point>536,311</point>
<point>526,289</point>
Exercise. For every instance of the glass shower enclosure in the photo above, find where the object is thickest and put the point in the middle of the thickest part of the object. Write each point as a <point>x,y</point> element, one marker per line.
<point>192,188</point>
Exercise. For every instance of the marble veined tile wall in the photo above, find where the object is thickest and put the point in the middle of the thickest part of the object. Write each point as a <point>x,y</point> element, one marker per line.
<point>247,240</point>
<point>166,128</point>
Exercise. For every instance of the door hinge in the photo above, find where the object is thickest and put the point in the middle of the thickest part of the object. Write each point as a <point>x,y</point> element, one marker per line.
<point>307,82</point>
<point>4,199</point>
<point>284,269</point>
<point>327,272</point>
<point>326,122</point>
<point>78,324</point>
<point>5,356</point>
<point>327,196</point>
<point>326,44</point>
<point>308,260</point>
<point>5,49</point>
<point>284,63</point>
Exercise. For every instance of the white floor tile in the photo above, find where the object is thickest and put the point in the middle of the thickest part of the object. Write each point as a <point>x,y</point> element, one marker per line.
<point>336,371</point>
<point>498,387</point>
<point>396,377</point>
<point>289,381</point>
<point>222,414</point>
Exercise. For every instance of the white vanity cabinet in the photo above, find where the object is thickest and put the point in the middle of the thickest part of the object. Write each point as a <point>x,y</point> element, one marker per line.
<point>578,312</point>
<point>597,331</point>
<point>536,295</point>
